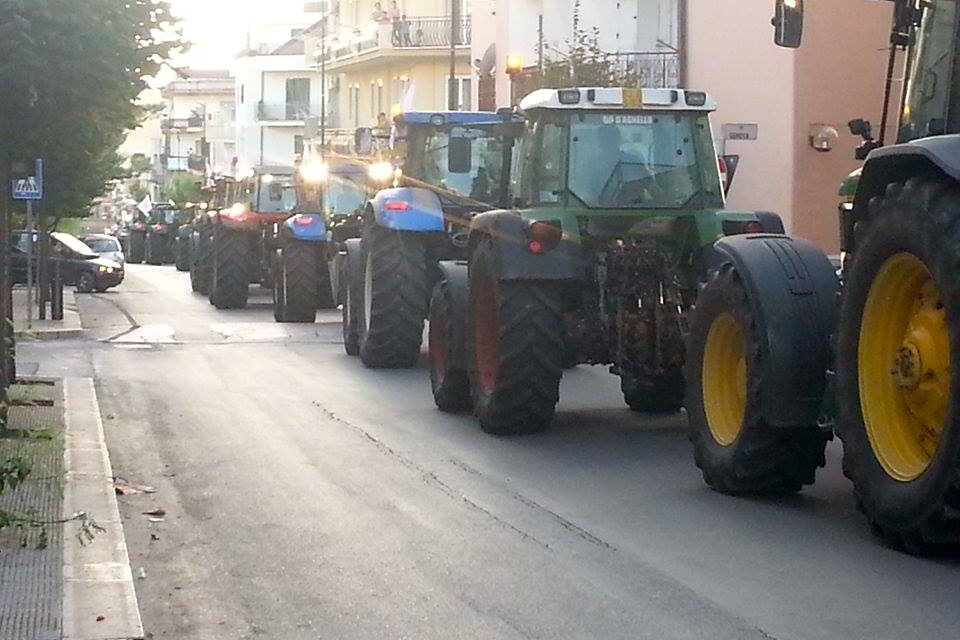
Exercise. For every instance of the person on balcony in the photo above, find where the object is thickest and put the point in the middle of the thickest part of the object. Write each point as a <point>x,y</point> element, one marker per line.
<point>379,15</point>
<point>405,39</point>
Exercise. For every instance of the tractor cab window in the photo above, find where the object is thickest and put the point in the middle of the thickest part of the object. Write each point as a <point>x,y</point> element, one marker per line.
<point>344,196</point>
<point>465,160</point>
<point>649,160</point>
<point>275,194</point>
<point>928,98</point>
<point>540,160</point>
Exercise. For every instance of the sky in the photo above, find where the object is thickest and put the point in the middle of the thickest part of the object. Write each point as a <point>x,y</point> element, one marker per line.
<point>218,28</point>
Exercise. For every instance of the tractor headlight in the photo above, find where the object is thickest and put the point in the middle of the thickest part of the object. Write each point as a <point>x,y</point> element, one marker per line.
<point>380,172</point>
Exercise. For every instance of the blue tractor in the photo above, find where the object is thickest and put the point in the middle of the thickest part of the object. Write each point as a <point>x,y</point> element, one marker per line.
<point>454,166</point>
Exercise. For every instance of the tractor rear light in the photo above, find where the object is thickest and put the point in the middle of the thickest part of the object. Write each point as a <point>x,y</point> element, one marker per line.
<point>396,205</point>
<point>303,221</point>
<point>158,227</point>
<point>543,237</point>
<point>753,227</point>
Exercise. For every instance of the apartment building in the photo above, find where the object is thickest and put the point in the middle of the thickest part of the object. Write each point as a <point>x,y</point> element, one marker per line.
<point>379,56</point>
<point>277,94</point>
<point>198,122</point>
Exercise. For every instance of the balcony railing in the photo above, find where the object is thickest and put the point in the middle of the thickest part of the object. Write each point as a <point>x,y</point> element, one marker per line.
<point>652,70</point>
<point>411,34</point>
<point>286,111</point>
<point>182,124</point>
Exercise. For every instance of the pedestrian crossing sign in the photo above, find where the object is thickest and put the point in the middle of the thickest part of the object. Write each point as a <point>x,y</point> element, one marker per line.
<point>29,187</point>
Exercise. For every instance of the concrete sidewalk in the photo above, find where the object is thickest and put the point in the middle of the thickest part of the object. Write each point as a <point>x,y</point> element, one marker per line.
<point>57,583</point>
<point>66,329</point>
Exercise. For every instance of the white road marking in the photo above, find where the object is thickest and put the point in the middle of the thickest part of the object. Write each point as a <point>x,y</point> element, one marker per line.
<point>251,331</point>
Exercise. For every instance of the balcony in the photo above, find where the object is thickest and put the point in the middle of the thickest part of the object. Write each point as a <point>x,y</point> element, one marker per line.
<point>193,123</point>
<point>286,112</point>
<point>419,36</point>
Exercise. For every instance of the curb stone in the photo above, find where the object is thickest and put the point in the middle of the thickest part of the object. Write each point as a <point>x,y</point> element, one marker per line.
<point>97,579</point>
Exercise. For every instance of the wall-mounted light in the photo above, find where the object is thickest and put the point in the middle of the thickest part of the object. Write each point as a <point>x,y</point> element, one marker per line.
<point>823,137</point>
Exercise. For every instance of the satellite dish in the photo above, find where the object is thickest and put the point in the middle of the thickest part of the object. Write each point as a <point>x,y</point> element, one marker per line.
<point>489,61</point>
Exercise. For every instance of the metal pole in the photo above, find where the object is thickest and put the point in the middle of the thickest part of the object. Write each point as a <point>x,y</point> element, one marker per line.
<point>29,264</point>
<point>454,101</point>
<point>323,82</point>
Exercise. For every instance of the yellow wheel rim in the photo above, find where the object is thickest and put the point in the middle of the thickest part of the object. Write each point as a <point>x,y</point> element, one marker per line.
<point>725,379</point>
<point>904,367</point>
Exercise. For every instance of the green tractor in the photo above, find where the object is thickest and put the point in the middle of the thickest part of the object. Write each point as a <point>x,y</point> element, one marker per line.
<point>773,354</point>
<point>618,205</point>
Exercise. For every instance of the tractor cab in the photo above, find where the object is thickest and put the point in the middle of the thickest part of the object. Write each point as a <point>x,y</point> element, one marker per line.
<point>607,154</point>
<point>466,154</point>
<point>265,196</point>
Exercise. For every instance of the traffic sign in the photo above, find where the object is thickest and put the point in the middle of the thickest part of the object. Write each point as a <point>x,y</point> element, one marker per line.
<point>29,187</point>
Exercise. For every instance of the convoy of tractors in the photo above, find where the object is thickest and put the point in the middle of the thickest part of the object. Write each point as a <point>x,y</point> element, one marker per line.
<point>588,226</point>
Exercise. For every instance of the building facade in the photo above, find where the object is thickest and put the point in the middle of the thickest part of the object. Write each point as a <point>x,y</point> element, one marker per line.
<point>382,56</point>
<point>198,122</point>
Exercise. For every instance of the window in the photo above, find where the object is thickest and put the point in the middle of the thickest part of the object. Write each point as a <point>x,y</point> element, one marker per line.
<point>653,160</point>
<point>298,98</point>
<point>298,145</point>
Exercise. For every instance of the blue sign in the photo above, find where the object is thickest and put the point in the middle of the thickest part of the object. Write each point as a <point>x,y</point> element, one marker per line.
<point>31,187</point>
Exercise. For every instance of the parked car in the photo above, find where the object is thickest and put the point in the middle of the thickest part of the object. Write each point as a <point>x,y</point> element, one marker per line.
<point>80,266</point>
<point>106,246</point>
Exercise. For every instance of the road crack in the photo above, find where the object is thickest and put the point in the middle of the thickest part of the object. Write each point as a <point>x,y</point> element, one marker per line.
<point>426,476</point>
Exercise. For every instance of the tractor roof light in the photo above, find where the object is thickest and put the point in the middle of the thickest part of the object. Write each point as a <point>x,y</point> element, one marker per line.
<point>514,65</point>
<point>696,98</point>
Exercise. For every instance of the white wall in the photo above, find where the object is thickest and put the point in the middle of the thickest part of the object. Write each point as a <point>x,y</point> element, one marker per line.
<point>753,82</point>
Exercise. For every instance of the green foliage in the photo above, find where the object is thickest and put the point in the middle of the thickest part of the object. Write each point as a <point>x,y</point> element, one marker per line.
<point>140,163</point>
<point>184,188</point>
<point>583,63</point>
<point>71,73</point>
<point>12,473</point>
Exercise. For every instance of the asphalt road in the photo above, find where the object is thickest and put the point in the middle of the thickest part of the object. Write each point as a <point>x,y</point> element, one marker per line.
<point>307,497</point>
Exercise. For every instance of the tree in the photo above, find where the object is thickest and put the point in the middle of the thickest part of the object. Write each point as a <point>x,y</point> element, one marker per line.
<point>583,63</point>
<point>71,73</point>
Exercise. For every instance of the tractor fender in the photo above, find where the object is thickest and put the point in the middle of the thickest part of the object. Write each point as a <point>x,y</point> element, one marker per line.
<point>514,260</point>
<point>307,227</point>
<point>793,291</point>
<point>928,157</point>
<point>349,260</point>
<point>457,278</point>
<point>408,209</point>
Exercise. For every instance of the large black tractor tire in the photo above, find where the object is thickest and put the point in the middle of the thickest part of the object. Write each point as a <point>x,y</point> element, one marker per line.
<point>296,290</point>
<point>516,348</point>
<point>351,282</point>
<point>153,254</point>
<point>659,394</point>
<point>898,340</point>
<point>136,245</point>
<point>230,277</point>
<point>395,293</point>
<point>201,267</point>
<point>448,376</point>
<point>735,449</point>
<point>181,254</point>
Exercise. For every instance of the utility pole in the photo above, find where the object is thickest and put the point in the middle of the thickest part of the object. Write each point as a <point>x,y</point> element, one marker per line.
<point>454,94</point>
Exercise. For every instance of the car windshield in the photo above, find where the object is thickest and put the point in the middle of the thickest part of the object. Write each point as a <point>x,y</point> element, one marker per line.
<point>276,194</point>
<point>474,169</point>
<point>74,244</point>
<point>643,160</point>
<point>103,245</point>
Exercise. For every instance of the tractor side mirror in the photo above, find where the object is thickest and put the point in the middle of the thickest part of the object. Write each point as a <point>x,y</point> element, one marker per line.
<point>460,156</point>
<point>728,170</point>
<point>788,24</point>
